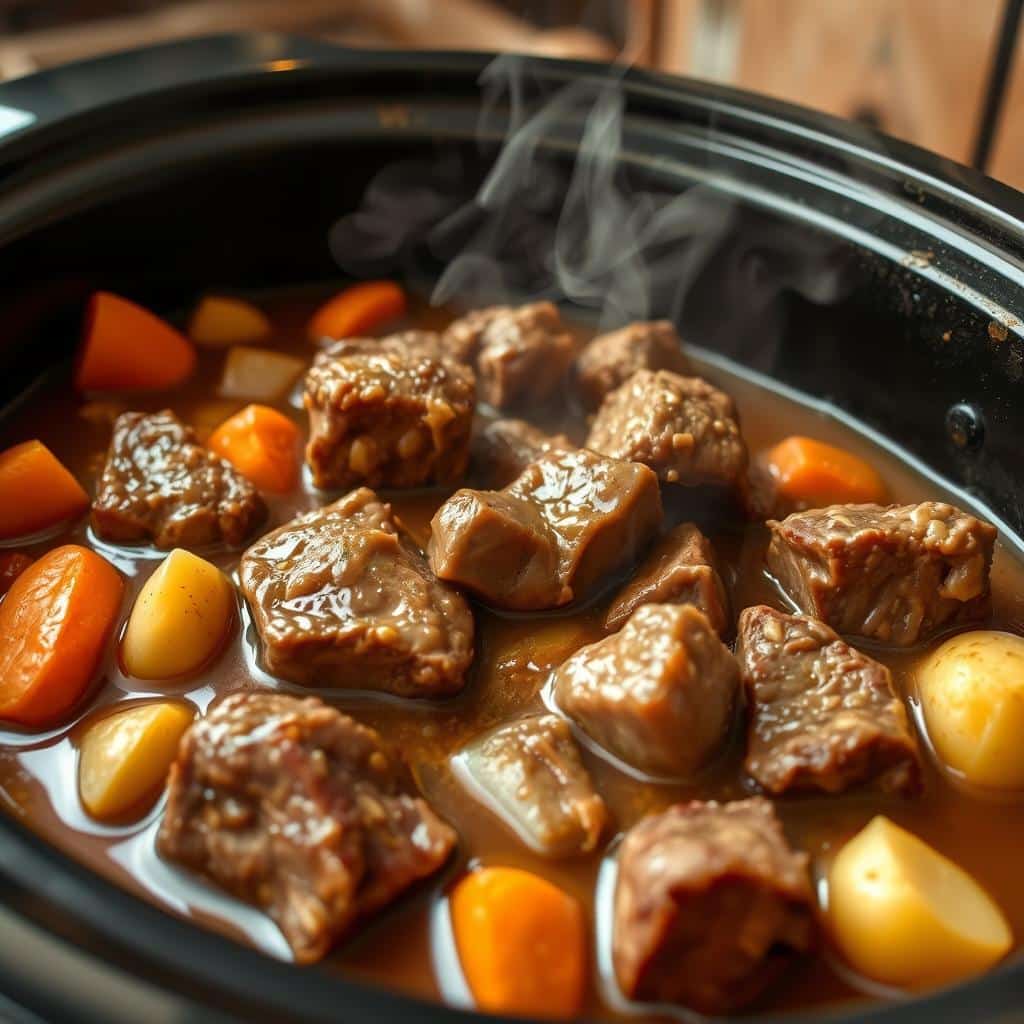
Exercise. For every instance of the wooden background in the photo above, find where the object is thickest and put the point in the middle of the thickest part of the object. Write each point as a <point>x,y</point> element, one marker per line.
<point>916,68</point>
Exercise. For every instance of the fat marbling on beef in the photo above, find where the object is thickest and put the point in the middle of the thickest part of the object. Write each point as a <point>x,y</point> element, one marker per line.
<point>898,573</point>
<point>292,806</point>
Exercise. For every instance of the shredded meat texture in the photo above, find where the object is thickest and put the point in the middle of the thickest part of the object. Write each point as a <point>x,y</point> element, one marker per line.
<point>711,906</point>
<point>292,806</point>
<point>504,448</point>
<point>550,537</point>
<point>521,353</point>
<point>685,429</point>
<point>529,772</point>
<point>661,694</point>
<point>340,598</point>
<point>611,359</point>
<point>680,569</point>
<point>823,716</point>
<point>897,574</point>
<point>391,412</point>
<point>160,484</point>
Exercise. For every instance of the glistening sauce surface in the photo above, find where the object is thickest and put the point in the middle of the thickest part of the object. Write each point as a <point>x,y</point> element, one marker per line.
<point>405,946</point>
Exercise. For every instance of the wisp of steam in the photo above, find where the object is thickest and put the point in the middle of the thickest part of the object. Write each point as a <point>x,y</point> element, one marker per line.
<point>533,216</point>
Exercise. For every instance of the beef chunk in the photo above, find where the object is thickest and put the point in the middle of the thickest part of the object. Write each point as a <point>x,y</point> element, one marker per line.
<point>530,773</point>
<point>521,353</point>
<point>340,598</point>
<point>897,574</point>
<point>160,484</point>
<point>292,806</point>
<point>552,535</point>
<point>661,694</point>
<point>711,905</point>
<point>686,430</point>
<point>394,412</point>
<point>504,448</point>
<point>823,716</point>
<point>680,569</point>
<point>611,359</point>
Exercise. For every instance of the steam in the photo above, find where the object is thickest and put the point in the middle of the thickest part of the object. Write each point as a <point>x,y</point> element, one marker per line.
<point>557,213</point>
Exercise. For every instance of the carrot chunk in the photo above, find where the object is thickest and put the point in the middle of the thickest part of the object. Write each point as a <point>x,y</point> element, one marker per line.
<point>36,490</point>
<point>127,348</point>
<point>811,474</point>
<point>521,942</point>
<point>53,625</point>
<point>357,310</point>
<point>12,565</point>
<point>263,445</point>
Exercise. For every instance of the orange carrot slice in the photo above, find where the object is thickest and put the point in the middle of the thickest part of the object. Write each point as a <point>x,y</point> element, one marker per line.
<point>53,625</point>
<point>357,310</point>
<point>811,474</point>
<point>263,445</point>
<point>127,348</point>
<point>521,943</point>
<point>36,490</point>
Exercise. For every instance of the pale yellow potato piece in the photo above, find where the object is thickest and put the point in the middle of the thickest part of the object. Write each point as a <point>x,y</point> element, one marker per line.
<point>125,756</point>
<point>219,321</point>
<point>972,695</point>
<point>258,374</point>
<point>179,618</point>
<point>903,914</point>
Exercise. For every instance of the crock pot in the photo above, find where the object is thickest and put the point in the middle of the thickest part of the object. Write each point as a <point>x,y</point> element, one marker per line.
<point>854,269</point>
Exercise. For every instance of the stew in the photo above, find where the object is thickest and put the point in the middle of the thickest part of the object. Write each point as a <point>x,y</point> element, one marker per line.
<point>502,665</point>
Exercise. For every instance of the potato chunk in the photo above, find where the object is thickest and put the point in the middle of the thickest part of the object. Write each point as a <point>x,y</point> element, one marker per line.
<point>905,915</point>
<point>180,618</point>
<point>972,695</point>
<point>258,374</point>
<point>220,320</point>
<point>125,757</point>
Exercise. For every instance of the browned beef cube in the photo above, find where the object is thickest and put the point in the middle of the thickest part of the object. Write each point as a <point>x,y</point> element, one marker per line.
<point>530,774</point>
<point>521,353</point>
<point>504,448</point>
<point>500,547</point>
<point>292,806</point>
<point>340,598</point>
<point>394,412</point>
<point>897,574</point>
<point>611,359</point>
<point>661,694</point>
<point>160,484</point>
<point>711,906</point>
<point>687,431</point>
<point>597,513</point>
<point>680,569</point>
<point>823,716</point>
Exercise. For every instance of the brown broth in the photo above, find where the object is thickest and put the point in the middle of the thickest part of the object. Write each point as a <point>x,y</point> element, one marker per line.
<point>406,947</point>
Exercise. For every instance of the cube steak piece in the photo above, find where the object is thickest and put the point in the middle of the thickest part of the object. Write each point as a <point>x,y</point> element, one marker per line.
<point>340,598</point>
<point>611,359</point>
<point>823,716</point>
<point>529,772</point>
<point>292,806</point>
<point>521,353</point>
<point>504,448</point>
<point>898,574</point>
<point>711,906</point>
<point>687,431</point>
<point>680,569</point>
<point>661,694</point>
<point>160,484</point>
<point>552,535</point>
<point>389,412</point>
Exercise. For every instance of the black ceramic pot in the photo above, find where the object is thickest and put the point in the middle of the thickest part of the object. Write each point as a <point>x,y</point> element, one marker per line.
<point>845,265</point>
